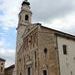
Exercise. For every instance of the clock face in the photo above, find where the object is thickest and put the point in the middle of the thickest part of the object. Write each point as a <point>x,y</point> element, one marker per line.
<point>26,17</point>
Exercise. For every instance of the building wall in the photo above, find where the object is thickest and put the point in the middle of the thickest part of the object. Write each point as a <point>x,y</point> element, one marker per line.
<point>47,61</point>
<point>32,53</point>
<point>67,62</point>
<point>2,66</point>
<point>23,27</point>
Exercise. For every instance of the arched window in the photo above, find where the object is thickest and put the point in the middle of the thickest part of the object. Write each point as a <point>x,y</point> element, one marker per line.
<point>26,17</point>
<point>65,49</point>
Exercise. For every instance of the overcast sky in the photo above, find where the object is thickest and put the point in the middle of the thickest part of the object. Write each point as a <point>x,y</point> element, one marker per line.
<point>57,14</point>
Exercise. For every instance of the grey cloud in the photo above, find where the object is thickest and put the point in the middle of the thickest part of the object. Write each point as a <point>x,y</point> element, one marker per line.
<point>48,9</point>
<point>71,30</point>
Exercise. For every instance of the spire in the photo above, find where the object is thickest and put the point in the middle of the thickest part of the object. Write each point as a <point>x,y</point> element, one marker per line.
<point>25,2</point>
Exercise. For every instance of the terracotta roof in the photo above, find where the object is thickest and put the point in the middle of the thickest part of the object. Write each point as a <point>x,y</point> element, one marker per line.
<point>1,59</point>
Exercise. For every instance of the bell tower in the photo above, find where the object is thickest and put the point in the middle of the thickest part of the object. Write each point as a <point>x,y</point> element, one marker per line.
<point>24,22</point>
<point>25,16</point>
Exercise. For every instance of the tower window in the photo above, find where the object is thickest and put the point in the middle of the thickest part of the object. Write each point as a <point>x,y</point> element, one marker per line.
<point>64,49</point>
<point>44,72</point>
<point>45,50</point>
<point>26,17</point>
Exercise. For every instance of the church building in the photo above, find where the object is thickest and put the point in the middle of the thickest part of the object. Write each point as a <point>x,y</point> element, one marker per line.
<point>41,50</point>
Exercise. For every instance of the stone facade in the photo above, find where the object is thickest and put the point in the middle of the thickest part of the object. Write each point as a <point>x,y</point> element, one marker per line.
<point>2,66</point>
<point>37,46</point>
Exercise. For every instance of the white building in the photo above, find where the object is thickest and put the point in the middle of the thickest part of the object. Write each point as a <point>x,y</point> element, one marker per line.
<point>67,57</point>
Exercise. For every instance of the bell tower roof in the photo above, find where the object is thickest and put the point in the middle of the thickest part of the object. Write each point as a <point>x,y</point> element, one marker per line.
<point>25,2</point>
